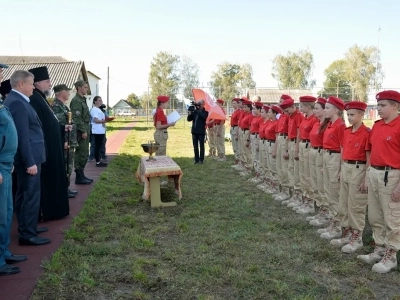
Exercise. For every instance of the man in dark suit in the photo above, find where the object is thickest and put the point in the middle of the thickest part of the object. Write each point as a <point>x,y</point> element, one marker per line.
<point>30,155</point>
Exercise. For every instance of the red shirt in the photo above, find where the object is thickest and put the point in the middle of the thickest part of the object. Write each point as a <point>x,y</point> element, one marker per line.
<point>294,122</point>
<point>235,118</point>
<point>316,138</point>
<point>354,143</point>
<point>160,116</point>
<point>261,129</point>
<point>306,126</point>
<point>282,124</point>
<point>255,124</point>
<point>241,112</point>
<point>270,130</point>
<point>218,122</point>
<point>385,144</point>
<point>333,135</point>
<point>245,121</point>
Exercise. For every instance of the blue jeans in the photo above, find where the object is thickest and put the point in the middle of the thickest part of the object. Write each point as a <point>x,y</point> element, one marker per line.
<point>6,211</point>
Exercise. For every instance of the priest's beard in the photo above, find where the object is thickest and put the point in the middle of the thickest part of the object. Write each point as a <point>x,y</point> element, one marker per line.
<point>47,93</point>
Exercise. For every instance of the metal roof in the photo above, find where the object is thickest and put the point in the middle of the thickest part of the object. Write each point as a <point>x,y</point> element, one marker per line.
<point>9,60</point>
<point>272,96</point>
<point>67,72</point>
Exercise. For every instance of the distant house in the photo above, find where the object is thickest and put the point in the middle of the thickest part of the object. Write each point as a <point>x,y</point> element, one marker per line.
<point>272,96</point>
<point>124,108</point>
<point>61,71</point>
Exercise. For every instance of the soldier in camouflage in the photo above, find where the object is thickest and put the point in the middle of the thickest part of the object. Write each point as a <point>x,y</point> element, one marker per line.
<point>81,117</point>
<point>70,143</point>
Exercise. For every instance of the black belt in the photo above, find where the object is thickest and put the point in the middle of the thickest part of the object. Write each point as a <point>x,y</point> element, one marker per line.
<point>331,151</point>
<point>254,134</point>
<point>293,140</point>
<point>282,134</point>
<point>355,162</point>
<point>271,141</point>
<point>386,169</point>
<point>234,126</point>
<point>305,141</point>
<point>317,148</point>
<point>244,129</point>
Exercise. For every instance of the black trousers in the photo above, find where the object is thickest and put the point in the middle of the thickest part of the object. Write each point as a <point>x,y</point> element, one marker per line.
<point>98,143</point>
<point>198,144</point>
<point>27,201</point>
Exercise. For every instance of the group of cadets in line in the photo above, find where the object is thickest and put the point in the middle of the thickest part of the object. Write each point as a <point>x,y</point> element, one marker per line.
<point>310,162</point>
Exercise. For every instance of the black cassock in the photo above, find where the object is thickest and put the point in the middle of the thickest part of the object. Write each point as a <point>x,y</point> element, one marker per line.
<point>54,189</point>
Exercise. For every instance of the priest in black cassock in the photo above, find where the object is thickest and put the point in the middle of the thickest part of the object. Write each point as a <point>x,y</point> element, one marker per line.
<point>54,189</point>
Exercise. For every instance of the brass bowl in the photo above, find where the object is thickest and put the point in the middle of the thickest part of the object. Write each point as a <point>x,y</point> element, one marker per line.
<point>150,148</point>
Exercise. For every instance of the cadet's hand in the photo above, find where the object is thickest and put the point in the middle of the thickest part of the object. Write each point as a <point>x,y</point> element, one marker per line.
<point>66,146</point>
<point>68,127</point>
<point>286,156</point>
<point>273,153</point>
<point>296,154</point>
<point>1,179</point>
<point>396,195</point>
<point>247,144</point>
<point>32,170</point>
<point>171,124</point>
<point>363,187</point>
<point>84,135</point>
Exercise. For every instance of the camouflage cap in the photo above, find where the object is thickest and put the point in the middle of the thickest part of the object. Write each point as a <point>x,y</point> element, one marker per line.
<point>80,83</point>
<point>61,87</point>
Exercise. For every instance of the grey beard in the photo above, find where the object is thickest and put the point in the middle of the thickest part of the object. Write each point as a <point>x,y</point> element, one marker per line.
<point>46,93</point>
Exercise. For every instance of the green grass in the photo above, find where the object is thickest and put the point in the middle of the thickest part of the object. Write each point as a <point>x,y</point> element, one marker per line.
<point>224,240</point>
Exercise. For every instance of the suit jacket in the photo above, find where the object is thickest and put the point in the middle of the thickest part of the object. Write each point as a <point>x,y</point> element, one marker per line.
<point>31,149</point>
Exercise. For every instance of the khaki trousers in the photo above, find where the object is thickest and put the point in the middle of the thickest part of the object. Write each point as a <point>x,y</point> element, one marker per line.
<point>241,145</point>
<point>293,167</point>
<point>331,181</point>
<point>235,144</point>
<point>263,158</point>
<point>271,161</point>
<point>281,163</point>
<point>247,159</point>
<point>161,137</point>
<point>352,203</point>
<point>304,169</point>
<point>383,213</point>
<point>211,140</point>
<point>220,140</point>
<point>255,152</point>
<point>316,157</point>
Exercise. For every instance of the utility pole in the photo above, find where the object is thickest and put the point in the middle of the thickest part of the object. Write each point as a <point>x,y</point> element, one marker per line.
<point>108,90</point>
<point>376,62</point>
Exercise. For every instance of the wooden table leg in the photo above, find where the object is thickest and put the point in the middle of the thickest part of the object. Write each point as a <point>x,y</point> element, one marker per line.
<point>155,195</point>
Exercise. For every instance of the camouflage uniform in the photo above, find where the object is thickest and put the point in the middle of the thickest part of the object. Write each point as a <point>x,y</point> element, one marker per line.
<point>81,117</point>
<point>61,112</point>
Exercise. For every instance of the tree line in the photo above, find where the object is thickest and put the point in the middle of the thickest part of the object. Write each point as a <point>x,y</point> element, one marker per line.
<point>349,78</point>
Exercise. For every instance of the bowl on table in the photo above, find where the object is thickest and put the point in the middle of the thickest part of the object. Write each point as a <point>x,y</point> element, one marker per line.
<point>150,148</point>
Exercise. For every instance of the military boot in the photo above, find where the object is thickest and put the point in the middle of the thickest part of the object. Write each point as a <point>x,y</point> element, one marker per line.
<point>388,262</point>
<point>344,239</point>
<point>84,176</point>
<point>373,257</point>
<point>80,179</point>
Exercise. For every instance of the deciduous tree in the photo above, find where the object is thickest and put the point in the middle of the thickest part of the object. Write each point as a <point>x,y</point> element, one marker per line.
<point>189,75</point>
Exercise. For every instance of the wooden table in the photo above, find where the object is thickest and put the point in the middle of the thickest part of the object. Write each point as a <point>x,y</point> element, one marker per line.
<point>149,173</point>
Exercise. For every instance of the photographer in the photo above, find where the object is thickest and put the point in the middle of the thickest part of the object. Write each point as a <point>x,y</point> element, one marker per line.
<point>198,116</point>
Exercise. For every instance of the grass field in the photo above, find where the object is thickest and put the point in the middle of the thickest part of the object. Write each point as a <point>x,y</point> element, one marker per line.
<point>224,240</point>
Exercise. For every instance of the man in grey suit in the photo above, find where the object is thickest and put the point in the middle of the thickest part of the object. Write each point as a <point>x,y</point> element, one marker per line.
<point>30,155</point>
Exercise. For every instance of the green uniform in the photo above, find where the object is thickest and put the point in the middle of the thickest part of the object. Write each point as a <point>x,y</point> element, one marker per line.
<point>81,117</point>
<point>61,112</point>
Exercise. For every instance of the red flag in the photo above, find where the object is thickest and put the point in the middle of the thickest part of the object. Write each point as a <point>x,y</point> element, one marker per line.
<point>214,111</point>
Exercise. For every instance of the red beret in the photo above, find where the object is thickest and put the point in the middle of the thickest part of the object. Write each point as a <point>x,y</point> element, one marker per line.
<point>244,98</point>
<point>321,101</point>
<point>163,99</point>
<point>236,99</point>
<point>287,103</point>
<point>277,109</point>
<point>284,97</point>
<point>388,95</point>
<point>307,99</point>
<point>336,101</point>
<point>247,102</point>
<point>266,107</point>
<point>220,101</point>
<point>356,105</point>
<point>258,104</point>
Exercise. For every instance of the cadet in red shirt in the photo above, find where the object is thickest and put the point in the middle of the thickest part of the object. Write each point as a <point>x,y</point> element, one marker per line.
<point>281,147</point>
<point>220,134</point>
<point>295,119</point>
<point>384,184</point>
<point>161,125</point>
<point>234,124</point>
<point>306,107</point>
<point>265,175</point>
<point>254,141</point>
<point>240,166</point>
<point>316,156</point>
<point>244,125</point>
<point>332,136</point>
<point>353,189</point>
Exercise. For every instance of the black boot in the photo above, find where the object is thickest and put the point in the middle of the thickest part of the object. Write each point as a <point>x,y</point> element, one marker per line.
<point>72,192</point>
<point>80,179</point>
<point>89,179</point>
<point>70,195</point>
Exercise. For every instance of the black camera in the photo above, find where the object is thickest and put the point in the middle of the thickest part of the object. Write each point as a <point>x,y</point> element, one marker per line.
<point>193,106</point>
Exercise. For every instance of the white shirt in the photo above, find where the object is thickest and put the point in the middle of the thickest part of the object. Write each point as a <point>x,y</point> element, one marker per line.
<point>98,128</point>
<point>25,97</point>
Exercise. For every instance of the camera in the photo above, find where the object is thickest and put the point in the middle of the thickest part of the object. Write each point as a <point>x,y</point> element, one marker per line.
<point>193,106</point>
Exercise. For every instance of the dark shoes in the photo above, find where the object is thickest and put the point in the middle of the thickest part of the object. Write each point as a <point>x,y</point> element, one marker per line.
<point>70,195</point>
<point>73,192</point>
<point>13,259</point>
<point>101,164</point>
<point>198,162</point>
<point>81,178</point>
<point>9,270</point>
<point>41,230</point>
<point>35,241</point>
